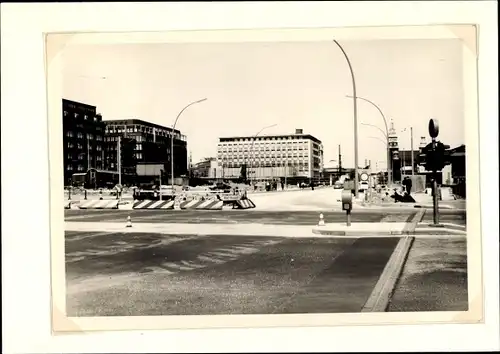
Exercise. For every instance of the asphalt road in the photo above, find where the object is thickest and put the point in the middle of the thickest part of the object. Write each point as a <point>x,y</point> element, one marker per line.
<point>124,274</point>
<point>234,216</point>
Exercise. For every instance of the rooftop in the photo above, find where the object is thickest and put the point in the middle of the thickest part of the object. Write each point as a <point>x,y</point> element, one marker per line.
<point>271,137</point>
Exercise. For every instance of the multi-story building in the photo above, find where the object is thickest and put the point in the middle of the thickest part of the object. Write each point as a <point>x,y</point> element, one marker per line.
<point>206,169</point>
<point>83,132</point>
<point>298,157</point>
<point>142,143</point>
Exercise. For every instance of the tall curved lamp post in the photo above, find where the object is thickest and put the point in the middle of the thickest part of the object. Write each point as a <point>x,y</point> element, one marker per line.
<point>389,168</point>
<point>172,139</point>
<point>356,177</point>
<point>250,153</point>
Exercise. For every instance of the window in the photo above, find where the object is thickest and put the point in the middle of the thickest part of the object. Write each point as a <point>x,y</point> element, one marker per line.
<point>79,146</point>
<point>69,133</point>
<point>76,115</point>
<point>65,113</point>
<point>81,156</point>
<point>85,116</point>
<point>98,138</point>
<point>138,146</point>
<point>139,156</point>
<point>70,145</point>
<point>79,135</point>
<point>80,168</point>
<point>69,167</point>
<point>90,136</point>
<point>98,148</point>
<point>70,157</point>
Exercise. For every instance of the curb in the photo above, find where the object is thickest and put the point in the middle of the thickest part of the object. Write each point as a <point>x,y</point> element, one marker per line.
<point>355,233</point>
<point>383,290</point>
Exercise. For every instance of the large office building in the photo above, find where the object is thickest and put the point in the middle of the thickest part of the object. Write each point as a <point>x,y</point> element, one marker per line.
<point>297,157</point>
<point>144,143</point>
<point>83,134</point>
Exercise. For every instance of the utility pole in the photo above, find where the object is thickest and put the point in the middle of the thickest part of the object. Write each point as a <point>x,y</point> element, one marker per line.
<point>119,158</point>
<point>88,152</point>
<point>340,163</point>
<point>412,157</point>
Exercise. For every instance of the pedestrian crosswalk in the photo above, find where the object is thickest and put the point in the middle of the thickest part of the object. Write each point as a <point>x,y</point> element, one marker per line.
<point>165,255</point>
<point>216,256</point>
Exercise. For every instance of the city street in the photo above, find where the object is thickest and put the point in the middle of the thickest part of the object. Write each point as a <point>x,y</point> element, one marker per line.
<point>147,273</point>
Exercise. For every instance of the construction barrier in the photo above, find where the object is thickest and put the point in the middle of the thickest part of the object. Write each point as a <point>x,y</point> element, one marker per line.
<point>202,204</point>
<point>153,204</point>
<point>243,204</point>
<point>99,204</point>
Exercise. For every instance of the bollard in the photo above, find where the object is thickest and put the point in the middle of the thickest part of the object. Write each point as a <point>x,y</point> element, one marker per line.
<point>100,194</point>
<point>321,220</point>
<point>69,193</point>
<point>348,221</point>
<point>85,194</point>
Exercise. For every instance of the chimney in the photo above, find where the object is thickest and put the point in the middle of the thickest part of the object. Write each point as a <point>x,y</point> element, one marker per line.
<point>299,131</point>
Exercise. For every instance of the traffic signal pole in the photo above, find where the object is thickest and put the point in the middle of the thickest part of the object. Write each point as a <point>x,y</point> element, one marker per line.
<point>435,200</point>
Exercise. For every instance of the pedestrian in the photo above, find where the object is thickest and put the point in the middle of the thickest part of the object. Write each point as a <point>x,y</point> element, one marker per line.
<point>282,186</point>
<point>409,185</point>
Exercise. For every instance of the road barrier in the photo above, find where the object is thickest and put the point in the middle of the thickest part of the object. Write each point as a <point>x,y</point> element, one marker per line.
<point>202,204</point>
<point>99,204</point>
<point>153,204</point>
<point>243,204</point>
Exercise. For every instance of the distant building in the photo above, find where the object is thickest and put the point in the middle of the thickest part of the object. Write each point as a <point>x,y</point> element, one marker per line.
<point>206,169</point>
<point>144,143</point>
<point>83,133</point>
<point>296,157</point>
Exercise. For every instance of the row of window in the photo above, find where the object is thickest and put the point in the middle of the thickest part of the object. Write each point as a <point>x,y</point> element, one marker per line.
<point>115,129</point>
<point>79,135</point>
<point>268,138</point>
<point>269,143</point>
<point>257,156</point>
<point>77,115</point>
<point>79,146</point>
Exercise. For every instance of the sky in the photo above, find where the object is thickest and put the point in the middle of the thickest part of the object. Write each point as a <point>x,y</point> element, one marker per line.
<point>251,85</point>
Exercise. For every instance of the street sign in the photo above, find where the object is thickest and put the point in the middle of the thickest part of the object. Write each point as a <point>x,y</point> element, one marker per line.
<point>433,128</point>
<point>364,177</point>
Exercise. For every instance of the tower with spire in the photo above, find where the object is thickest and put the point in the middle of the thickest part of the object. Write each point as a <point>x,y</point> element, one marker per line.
<point>394,153</point>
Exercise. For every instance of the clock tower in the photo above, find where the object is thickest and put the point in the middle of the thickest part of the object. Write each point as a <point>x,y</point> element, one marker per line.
<point>394,154</point>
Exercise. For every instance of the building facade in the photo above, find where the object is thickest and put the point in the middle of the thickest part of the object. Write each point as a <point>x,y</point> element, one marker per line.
<point>83,137</point>
<point>206,169</point>
<point>294,156</point>
<point>144,143</point>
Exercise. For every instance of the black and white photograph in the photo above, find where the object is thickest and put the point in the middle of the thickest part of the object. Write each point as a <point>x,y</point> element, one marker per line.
<point>277,175</point>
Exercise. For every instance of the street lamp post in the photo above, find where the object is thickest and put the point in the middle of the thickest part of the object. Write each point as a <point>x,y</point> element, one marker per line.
<point>355,101</point>
<point>389,167</point>
<point>172,140</point>
<point>250,152</point>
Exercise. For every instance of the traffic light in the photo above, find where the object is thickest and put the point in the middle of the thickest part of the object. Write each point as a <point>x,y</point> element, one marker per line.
<point>434,158</point>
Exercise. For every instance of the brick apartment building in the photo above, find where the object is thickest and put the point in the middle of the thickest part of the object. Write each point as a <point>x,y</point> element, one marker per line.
<point>83,136</point>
